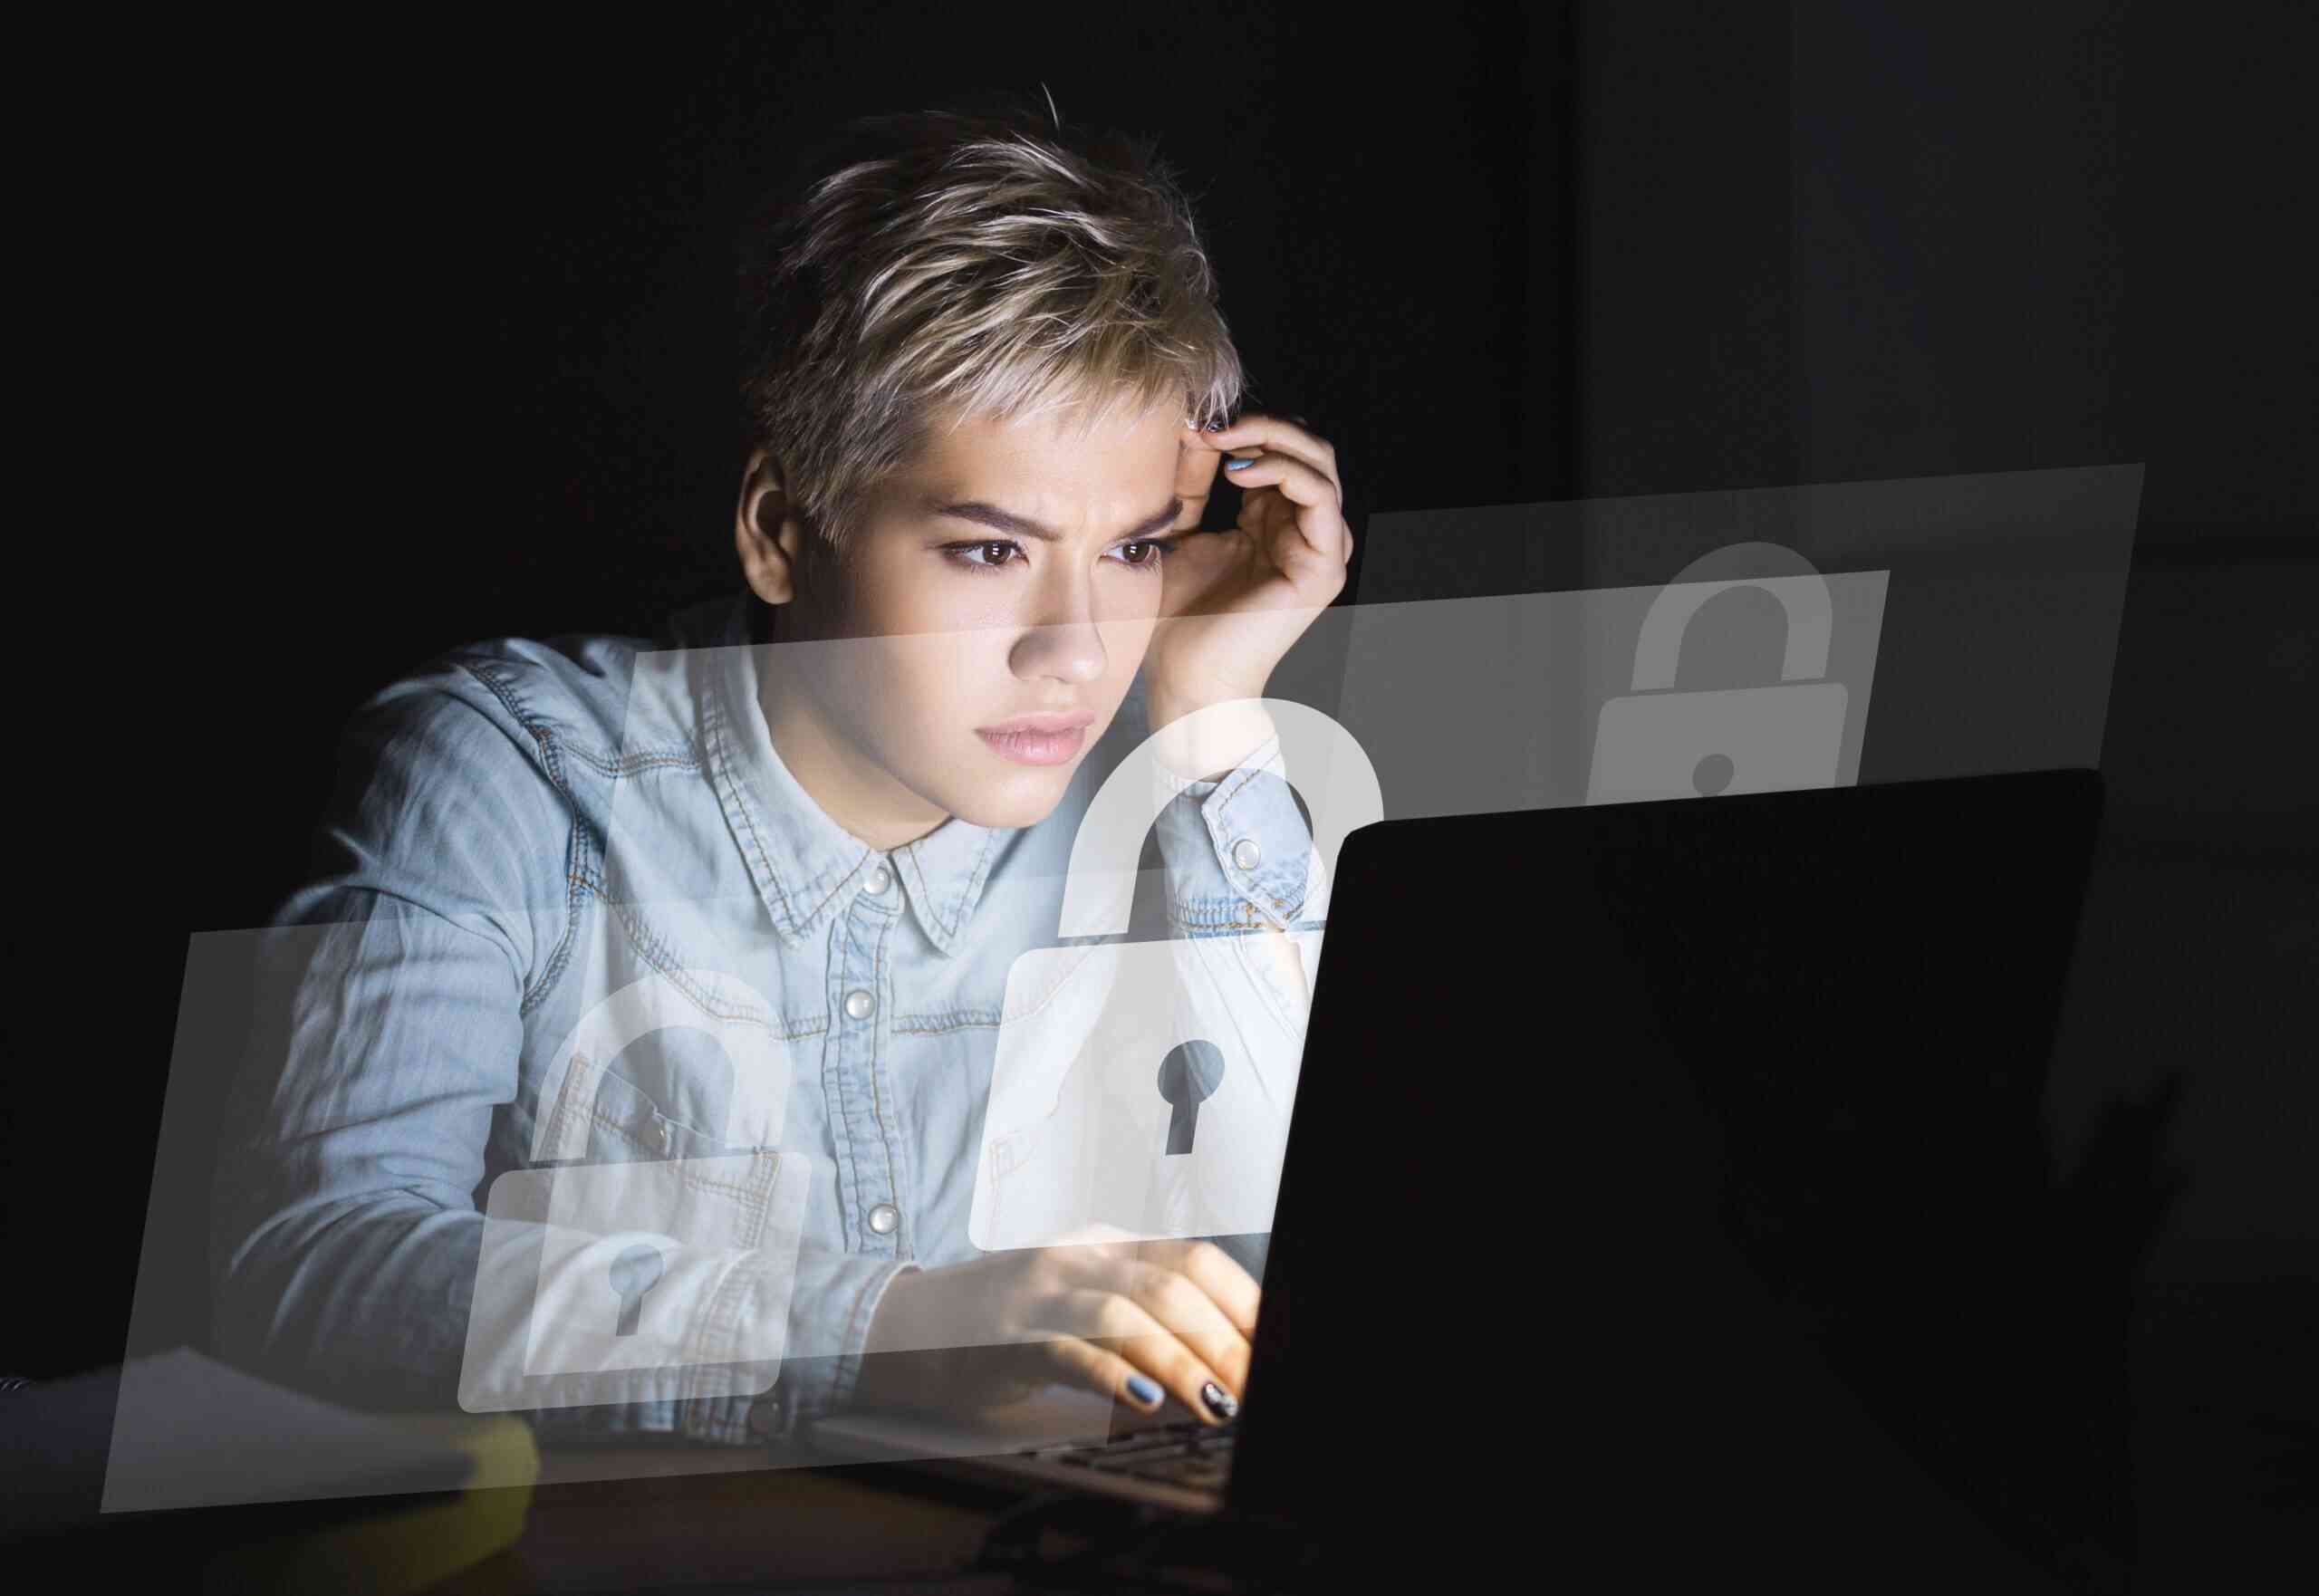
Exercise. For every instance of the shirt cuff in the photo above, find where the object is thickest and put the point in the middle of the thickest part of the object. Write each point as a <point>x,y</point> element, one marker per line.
<point>1237,850</point>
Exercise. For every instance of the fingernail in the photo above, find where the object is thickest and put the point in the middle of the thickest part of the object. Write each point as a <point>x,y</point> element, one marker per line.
<point>1216,426</point>
<point>1144,1389</point>
<point>1220,1402</point>
<point>1236,465</point>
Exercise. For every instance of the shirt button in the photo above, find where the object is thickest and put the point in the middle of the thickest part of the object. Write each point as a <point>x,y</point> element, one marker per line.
<point>884,1217</point>
<point>879,881</point>
<point>860,1005</point>
<point>1246,854</point>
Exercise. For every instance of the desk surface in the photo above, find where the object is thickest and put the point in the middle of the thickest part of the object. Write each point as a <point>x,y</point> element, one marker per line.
<point>2223,1415</point>
<point>618,1519</point>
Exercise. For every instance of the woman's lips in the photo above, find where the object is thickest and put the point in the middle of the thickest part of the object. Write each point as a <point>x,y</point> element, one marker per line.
<point>1035,747</point>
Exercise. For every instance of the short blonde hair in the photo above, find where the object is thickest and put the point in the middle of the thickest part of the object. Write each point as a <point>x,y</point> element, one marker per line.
<point>967,261</point>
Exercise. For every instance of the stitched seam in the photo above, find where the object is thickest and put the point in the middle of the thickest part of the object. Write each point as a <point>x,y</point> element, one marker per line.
<point>937,930</point>
<point>559,1117</point>
<point>599,1118</point>
<point>1242,916</point>
<point>943,1020</point>
<point>1224,798</point>
<point>490,673</point>
<point>851,870</point>
<point>721,1188</point>
<point>631,764</point>
<point>627,1132</point>
<point>1056,991</point>
<point>575,845</point>
<point>740,798</point>
<point>656,953</point>
<point>975,884</point>
<point>692,1181</point>
<point>1273,871</point>
<point>759,1187</point>
<point>575,862</point>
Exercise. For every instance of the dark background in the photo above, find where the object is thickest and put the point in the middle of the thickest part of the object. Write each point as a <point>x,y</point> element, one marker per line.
<point>460,366</point>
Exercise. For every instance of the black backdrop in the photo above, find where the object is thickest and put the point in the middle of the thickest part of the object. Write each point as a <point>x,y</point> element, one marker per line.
<point>457,297</point>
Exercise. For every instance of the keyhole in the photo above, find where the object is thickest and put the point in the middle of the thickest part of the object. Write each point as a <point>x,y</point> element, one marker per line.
<point>1712,774</point>
<point>634,1273</point>
<point>1189,1077</point>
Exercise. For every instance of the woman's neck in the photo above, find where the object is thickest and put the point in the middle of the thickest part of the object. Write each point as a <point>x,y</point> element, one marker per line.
<point>844,782</point>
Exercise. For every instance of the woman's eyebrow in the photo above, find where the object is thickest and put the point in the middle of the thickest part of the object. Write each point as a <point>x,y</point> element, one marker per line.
<point>991,515</point>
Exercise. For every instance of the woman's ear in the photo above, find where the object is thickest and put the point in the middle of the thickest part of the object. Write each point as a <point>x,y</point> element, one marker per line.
<point>767,532</point>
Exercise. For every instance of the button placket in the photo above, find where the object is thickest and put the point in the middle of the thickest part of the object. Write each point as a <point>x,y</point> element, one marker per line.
<point>877,1157</point>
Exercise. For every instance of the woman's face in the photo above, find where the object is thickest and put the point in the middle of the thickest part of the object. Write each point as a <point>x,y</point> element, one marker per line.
<point>1011,573</point>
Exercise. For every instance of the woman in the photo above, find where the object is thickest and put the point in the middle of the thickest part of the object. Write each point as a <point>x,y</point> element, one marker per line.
<point>630,1049</point>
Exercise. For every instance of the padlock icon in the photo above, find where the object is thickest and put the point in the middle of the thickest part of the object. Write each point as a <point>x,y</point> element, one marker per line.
<point>1142,1090</point>
<point>1656,743</point>
<point>600,1261</point>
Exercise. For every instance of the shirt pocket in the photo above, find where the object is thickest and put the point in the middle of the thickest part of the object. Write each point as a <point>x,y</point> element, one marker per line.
<point>627,1122</point>
<point>717,1195</point>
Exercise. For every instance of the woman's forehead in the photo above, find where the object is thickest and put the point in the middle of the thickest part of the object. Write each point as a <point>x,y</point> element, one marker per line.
<point>1058,444</point>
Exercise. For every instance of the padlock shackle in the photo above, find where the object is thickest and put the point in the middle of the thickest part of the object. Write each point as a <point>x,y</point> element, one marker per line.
<point>756,1107</point>
<point>1325,764</point>
<point>1801,592</point>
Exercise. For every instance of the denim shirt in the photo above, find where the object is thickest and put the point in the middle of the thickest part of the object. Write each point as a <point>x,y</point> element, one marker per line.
<point>523,827</point>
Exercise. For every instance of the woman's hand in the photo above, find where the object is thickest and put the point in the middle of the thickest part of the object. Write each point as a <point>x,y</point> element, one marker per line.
<point>1234,602</point>
<point>1139,1321</point>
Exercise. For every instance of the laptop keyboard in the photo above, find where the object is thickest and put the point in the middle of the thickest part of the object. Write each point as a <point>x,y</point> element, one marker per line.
<point>1190,1454</point>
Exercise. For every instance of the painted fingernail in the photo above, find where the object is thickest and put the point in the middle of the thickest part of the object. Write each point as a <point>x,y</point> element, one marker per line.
<point>1236,465</point>
<point>1144,1389</point>
<point>1216,426</point>
<point>1220,1402</point>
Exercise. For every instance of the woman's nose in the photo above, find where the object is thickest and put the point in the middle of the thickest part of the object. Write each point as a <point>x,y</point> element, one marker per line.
<point>1063,640</point>
<point>1068,650</point>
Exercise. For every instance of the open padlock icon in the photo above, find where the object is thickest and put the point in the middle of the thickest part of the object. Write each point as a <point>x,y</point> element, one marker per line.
<point>624,1249</point>
<point>1143,1090</point>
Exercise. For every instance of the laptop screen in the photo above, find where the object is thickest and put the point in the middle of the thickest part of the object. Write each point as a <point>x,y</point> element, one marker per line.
<point>1688,1146</point>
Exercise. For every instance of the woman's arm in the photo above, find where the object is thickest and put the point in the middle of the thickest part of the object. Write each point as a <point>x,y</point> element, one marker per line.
<point>386,1030</point>
<point>349,1255</point>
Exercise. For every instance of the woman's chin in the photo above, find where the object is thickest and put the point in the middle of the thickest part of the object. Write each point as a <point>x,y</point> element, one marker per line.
<point>1030,803</point>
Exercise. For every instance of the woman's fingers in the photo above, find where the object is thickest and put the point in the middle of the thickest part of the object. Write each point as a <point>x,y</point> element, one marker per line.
<point>1098,1369</point>
<point>1216,1272</point>
<point>1119,1324</point>
<point>1211,1294</point>
<point>1318,516</point>
<point>1193,1318</point>
<point>1277,436</point>
<point>1195,468</point>
<point>1193,1291</point>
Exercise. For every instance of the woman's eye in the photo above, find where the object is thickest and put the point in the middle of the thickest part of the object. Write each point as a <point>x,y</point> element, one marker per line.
<point>998,551</point>
<point>1145,551</point>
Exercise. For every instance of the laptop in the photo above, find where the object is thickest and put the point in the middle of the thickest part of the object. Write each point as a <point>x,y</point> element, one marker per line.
<point>1665,1179</point>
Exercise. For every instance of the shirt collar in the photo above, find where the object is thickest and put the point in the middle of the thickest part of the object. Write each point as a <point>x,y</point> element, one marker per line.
<point>805,865</point>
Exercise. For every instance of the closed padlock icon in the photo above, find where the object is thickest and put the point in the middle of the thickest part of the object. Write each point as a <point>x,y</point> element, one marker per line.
<point>1142,1090</point>
<point>1657,742</point>
<point>601,1261</point>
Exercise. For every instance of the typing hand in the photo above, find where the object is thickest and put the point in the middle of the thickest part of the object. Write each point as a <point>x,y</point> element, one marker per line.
<point>1139,1321</point>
